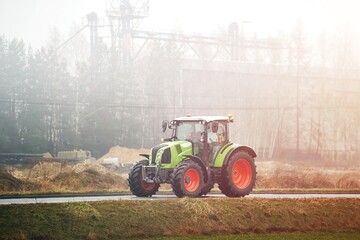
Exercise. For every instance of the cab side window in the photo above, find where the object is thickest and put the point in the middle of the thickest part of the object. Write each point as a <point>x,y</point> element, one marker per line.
<point>217,132</point>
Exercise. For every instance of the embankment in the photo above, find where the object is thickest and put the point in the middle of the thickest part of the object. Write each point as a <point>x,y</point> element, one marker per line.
<point>177,217</point>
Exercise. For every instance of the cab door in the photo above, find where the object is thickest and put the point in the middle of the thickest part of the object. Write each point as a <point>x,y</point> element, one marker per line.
<point>217,137</point>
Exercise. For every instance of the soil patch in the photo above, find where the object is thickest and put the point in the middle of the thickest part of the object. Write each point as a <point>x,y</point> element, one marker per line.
<point>124,155</point>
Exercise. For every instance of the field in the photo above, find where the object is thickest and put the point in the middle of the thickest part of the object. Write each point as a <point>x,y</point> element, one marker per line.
<point>275,175</point>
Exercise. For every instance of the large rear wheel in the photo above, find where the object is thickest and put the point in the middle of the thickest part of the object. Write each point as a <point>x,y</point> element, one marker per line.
<point>137,185</point>
<point>238,176</point>
<point>187,179</point>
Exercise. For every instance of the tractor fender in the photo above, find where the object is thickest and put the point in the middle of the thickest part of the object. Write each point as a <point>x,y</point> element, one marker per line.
<point>240,148</point>
<point>145,155</point>
<point>201,164</point>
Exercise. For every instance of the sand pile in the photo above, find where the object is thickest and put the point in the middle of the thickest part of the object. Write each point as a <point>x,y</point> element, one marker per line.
<point>78,168</point>
<point>124,155</point>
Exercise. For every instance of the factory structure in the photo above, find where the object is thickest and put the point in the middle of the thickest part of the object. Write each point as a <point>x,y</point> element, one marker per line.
<point>282,106</point>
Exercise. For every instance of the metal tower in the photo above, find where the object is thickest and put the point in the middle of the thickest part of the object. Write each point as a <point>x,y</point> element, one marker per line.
<point>124,17</point>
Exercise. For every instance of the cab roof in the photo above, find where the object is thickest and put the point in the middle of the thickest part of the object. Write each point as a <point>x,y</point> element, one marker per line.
<point>204,118</point>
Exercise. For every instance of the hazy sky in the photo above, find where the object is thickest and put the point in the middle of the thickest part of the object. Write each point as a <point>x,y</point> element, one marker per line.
<point>32,20</point>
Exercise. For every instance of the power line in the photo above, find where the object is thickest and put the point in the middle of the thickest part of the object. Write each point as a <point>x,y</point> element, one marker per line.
<point>159,106</point>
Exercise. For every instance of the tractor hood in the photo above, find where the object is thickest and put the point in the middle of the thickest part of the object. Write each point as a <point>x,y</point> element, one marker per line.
<point>170,152</point>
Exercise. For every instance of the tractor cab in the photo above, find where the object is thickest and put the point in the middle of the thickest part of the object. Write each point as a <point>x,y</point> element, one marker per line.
<point>206,134</point>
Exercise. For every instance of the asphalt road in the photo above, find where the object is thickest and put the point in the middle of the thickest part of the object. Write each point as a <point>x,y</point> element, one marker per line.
<point>63,199</point>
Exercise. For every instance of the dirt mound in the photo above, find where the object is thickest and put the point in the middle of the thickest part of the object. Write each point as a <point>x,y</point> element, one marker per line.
<point>9,183</point>
<point>44,170</point>
<point>49,170</point>
<point>47,155</point>
<point>124,155</point>
<point>57,177</point>
<point>89,178</point>
<point>78,168</point>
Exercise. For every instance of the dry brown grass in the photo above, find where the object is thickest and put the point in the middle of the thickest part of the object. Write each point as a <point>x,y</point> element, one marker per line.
<point>295,180</point>
<point>89,179</point>
<point>56,177</point>
<point>196,206</point>
<point>9,183</point>
<point>306,176</point>
<point>91,236</point>
<point>348,182</point>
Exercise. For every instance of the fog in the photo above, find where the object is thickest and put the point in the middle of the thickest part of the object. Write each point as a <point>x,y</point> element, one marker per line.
<point>288,71</point>
<point>32,21</point>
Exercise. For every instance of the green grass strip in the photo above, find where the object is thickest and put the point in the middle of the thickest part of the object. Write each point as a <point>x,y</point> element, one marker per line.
<point>182,217</point>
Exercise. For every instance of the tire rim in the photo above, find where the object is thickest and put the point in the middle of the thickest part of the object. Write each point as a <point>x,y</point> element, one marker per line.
<point>147,186</point>
<point>241,173</point>
<point>191,180</point>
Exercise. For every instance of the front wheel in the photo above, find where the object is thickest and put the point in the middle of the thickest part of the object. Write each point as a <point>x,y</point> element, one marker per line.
<point>187,179</point>
<point>238,176</point>
<point>137,185</point>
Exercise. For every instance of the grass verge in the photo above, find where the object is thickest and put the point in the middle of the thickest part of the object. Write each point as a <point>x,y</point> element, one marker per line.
<point>169,191</point>
<point>277,236</point>
<point>178,217</point>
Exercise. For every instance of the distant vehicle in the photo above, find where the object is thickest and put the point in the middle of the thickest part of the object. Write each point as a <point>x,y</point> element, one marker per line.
<point>196,156</point>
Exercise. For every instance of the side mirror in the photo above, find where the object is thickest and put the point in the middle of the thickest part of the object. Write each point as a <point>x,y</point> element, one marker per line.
<point>164,125</point>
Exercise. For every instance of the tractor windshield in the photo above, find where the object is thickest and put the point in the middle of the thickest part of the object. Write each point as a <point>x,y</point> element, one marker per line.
<point>189,131</point>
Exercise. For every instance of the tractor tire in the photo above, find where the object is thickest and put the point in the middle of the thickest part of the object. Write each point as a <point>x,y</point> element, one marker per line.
<point>187,180</point>
<point>136,183</point>
<point>238,175</point>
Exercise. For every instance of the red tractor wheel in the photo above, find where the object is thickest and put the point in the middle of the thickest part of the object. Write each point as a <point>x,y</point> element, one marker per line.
<point>238,175</point>
<point>187,179</point>
<point>191,180</point>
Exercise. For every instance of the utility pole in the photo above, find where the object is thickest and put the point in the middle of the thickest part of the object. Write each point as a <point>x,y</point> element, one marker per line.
<point>297,111</point>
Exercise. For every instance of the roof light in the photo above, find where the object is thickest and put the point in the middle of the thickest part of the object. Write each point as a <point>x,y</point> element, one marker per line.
<point>230,117</point>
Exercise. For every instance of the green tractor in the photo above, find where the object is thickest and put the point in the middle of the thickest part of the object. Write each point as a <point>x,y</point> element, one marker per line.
<point>196,156</point>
